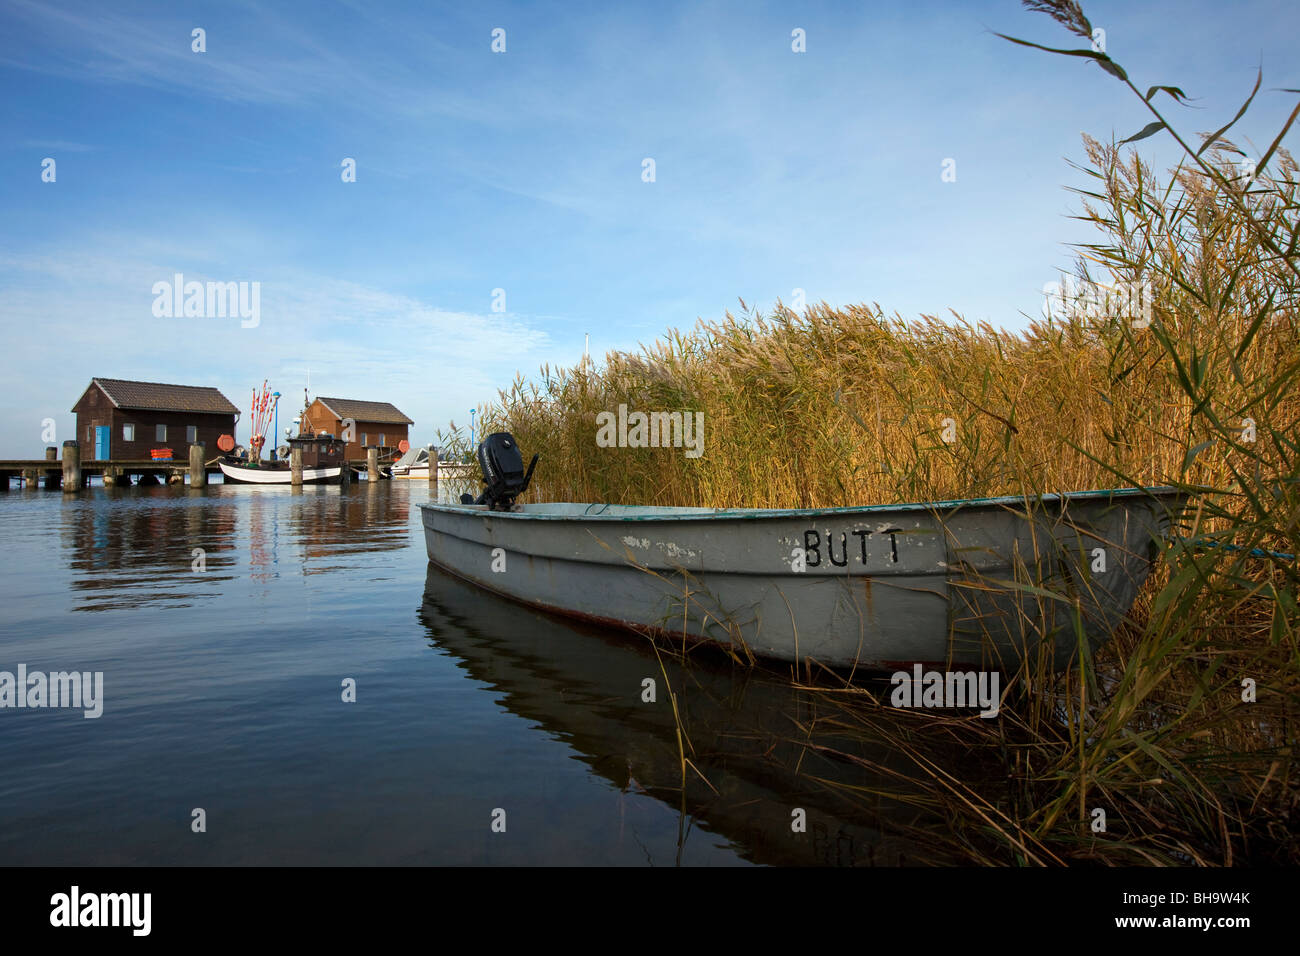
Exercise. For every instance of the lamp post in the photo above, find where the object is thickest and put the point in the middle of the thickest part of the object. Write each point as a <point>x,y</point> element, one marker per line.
<point>472,413</point>
<point>275,429</point>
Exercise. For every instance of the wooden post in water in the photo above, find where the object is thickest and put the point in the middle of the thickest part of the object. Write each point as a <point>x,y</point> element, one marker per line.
<point>198,470</point>
<point>433,472</point>
<point>345,476</point>
<point>71,467</point>
<point>372,463</point>
<point>113,476</point>
<point>295,466</point>
<point>53,476</point>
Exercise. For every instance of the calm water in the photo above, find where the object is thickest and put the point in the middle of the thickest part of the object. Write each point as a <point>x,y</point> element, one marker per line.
<point>223,691</point>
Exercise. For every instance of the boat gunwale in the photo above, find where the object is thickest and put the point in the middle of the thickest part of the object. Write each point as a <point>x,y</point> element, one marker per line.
<point>1157,493</point>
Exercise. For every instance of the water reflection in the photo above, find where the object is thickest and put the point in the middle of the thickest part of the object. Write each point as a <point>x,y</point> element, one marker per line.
<point>755,763</point>
<point>333,525</point>
<point>248,684</point>
<point>135,548</point>
<point>169,546</point>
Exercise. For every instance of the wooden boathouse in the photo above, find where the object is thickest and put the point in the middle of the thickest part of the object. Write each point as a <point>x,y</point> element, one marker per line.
<point>122,419</point>
<point>374,424</point>
<point>158,432</point>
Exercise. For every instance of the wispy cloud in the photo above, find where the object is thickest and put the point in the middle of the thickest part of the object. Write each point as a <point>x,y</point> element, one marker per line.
<point>253,55</point>
<point>774,171</point>
<point>59,145</point>
<point>357,340</point>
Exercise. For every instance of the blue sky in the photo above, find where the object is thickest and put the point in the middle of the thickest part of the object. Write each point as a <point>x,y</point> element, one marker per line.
<point>522,171</point>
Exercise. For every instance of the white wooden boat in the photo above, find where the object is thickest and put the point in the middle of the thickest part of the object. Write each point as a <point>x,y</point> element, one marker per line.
<point>884,586</point>
<point>415,465</point>
<point>277,473</point>
<point>322,460</point>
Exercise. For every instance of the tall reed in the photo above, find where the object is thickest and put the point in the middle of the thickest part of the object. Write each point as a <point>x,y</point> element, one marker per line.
<point>1182,730</point>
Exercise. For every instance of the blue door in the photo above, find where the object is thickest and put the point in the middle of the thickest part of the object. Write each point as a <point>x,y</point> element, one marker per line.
<point>101,442</point>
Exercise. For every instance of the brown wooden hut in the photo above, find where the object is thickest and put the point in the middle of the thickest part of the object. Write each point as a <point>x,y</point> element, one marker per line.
<point>375,424</point>
<point>121,419</point>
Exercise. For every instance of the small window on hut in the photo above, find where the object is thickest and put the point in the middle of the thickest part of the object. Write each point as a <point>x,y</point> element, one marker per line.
<point>191,433</point>
<point>382,443</point>
<point>128,433</point>
<point>364,442</point>
<point>160,433</point>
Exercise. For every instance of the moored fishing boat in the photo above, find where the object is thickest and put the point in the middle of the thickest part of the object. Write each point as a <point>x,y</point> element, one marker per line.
<point>322,454</point>
<point>974,582</point>
<point>415,463</point>
<point>322,463</point>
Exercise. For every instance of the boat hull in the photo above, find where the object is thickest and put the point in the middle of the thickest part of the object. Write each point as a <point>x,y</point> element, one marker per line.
<point>279,476</point>
<point>974,582</point>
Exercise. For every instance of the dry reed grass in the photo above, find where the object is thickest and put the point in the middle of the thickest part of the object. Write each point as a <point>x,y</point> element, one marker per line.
<point>846,406</point>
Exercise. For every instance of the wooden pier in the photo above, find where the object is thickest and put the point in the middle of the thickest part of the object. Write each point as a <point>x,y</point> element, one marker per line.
<point>70,473</point>
<point>53,474</point>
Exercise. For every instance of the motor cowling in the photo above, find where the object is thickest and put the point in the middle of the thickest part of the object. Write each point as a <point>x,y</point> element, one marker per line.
<point>502,465</point>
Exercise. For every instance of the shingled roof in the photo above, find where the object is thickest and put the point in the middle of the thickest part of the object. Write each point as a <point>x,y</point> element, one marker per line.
<point>156,397</point>
<point>382,413</point>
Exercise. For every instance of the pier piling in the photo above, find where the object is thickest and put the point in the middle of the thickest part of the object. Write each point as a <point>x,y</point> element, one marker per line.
<point>54,474</point>
<point>295,466</point>
<point>372,463</point>
<point>198,471</point>
<point>71,466</point>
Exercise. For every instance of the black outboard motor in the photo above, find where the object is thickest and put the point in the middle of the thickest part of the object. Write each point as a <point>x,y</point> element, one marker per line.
<point>503,472</point>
